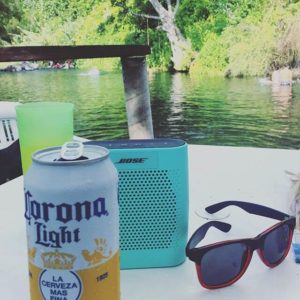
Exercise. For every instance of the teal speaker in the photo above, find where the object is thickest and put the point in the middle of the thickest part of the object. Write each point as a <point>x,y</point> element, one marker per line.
<point>153,196</point>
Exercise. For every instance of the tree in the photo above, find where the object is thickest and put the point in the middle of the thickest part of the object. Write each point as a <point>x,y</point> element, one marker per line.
<point>182,54</point>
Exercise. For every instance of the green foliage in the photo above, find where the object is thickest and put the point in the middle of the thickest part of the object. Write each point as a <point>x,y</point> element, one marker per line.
<point>212,59</point>
<point>250,58</point>
<point>201,20</point>
<point>68,10</point>
<point>197,32</point>
<point>259,43</point>
<point>236,37</point>
<point>100,27</point>
<point>10,15</point>
<point>95,25</point>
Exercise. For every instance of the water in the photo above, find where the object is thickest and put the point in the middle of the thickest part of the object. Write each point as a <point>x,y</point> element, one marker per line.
<point>215,111</point>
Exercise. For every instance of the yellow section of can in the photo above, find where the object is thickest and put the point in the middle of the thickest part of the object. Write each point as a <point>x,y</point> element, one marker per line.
<point>100,282</point>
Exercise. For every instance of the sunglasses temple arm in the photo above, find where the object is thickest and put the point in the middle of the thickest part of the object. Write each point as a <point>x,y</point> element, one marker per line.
<point>251,208</point>
<point>200,233</point>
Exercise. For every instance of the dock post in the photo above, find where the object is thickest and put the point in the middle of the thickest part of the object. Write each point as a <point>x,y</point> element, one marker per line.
<point>137,97</point>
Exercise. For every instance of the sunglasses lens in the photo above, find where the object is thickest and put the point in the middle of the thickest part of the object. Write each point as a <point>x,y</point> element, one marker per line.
<point>276,244</point>
<point>223,264</point>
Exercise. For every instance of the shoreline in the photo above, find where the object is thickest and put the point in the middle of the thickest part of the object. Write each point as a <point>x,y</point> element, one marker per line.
<point>33,66</point>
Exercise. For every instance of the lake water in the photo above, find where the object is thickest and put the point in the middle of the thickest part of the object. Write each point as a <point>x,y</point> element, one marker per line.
<point>213,111</point>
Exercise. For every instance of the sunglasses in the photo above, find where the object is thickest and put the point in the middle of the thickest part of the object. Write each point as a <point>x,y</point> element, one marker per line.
<point>221,264</point>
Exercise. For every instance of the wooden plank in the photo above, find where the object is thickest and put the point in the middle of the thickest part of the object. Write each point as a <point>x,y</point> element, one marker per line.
<point>137,97</point>
<point>34,53</point>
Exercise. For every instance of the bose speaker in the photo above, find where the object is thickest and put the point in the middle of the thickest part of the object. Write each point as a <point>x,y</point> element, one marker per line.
<point>153,197</point>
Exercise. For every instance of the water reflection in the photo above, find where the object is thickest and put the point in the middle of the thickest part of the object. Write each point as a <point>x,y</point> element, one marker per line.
<point>213,111</point>
<point>282,96</point>
<point>225,112</point>
<point>177,95</point>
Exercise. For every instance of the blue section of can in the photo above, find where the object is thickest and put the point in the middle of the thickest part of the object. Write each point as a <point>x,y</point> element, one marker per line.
<point>71,209</point>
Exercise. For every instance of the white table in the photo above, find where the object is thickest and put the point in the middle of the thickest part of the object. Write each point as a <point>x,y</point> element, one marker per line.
<point>216,174</point>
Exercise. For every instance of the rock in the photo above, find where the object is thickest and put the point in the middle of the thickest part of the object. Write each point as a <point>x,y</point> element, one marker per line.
<point>23,66</point>
<point>282,77</point>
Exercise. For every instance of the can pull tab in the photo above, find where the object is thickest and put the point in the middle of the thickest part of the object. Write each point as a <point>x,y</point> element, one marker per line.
<point>71,150</point>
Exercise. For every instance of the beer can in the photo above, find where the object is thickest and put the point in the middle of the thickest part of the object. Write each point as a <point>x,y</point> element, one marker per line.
<point>72,220</point>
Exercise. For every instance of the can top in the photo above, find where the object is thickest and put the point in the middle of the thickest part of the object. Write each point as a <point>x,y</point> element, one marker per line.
<point>58,156</point>
<point>71,150</point>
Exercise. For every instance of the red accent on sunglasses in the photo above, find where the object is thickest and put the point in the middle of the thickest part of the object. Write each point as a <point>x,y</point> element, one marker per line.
<point>249,254</point>
<point>263,243</point>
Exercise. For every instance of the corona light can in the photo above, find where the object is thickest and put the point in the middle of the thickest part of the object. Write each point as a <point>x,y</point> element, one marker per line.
<point>71,212</point>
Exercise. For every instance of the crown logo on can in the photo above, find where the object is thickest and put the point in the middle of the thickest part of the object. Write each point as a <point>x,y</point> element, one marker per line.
<point>58,260</point>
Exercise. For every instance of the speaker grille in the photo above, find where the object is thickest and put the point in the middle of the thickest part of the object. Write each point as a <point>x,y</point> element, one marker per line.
<point>148,208</point>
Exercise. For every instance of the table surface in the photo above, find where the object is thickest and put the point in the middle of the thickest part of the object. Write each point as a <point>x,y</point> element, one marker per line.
<point>215,174</point>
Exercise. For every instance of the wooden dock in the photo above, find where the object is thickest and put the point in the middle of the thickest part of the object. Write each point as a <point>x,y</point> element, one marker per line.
<point>134,69</point>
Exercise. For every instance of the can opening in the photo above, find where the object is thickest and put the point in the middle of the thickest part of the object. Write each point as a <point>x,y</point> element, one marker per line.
<point>71,151</point>
<point>63,159</point>
<point>76,153</point>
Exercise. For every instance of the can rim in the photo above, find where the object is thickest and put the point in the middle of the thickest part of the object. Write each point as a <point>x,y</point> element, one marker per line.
<point>38,156</point>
